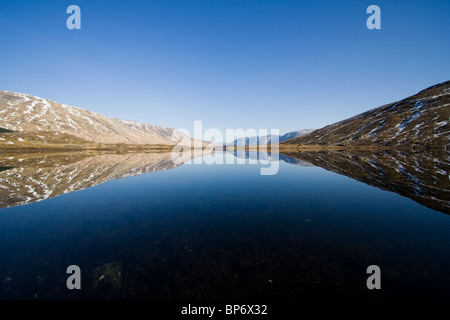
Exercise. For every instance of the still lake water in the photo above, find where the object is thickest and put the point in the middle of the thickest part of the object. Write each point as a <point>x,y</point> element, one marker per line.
<point>220,232</point>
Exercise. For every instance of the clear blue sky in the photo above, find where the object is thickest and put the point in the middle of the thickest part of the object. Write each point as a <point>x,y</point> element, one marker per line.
<point>231,63</point>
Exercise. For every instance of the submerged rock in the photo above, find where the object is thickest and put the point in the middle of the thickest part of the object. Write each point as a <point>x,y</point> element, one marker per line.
<point>108,275</point>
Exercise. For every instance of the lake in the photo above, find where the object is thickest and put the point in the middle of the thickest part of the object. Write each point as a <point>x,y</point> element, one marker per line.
<point>141,226</point>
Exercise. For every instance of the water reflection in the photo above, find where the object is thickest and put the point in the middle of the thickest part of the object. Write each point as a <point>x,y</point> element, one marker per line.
<point>268,156</point>
<point>224,232</point>
<point>422,177</point>
<point>24,179</point>
<point>28,178</point>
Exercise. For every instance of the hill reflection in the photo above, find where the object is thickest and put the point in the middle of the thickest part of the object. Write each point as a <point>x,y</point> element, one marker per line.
<point>25,179</point>
<point>423,177</point>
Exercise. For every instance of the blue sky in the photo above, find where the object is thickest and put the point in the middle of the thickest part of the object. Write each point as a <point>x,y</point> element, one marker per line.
<point>231,63</point>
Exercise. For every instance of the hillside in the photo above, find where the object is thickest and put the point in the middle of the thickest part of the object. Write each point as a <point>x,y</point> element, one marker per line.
<point>33,117</point>
<point>420,120</point>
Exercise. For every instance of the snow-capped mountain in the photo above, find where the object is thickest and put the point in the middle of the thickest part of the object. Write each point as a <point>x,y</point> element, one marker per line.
<point>29,114</point>
<point>419,120</point>
<point>253,141</point>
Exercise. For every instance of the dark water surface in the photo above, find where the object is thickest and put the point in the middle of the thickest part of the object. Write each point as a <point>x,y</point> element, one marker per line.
<point>218,231</point>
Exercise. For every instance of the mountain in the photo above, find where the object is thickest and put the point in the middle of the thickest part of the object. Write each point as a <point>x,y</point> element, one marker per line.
<point>33,117</point>
<point>295,134</point>
<point>250,141</point>
<point>419,120</point>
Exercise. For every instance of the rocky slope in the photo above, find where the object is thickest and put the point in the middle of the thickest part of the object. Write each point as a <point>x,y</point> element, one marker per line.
<point>33,115</point>
<point>421,120</point>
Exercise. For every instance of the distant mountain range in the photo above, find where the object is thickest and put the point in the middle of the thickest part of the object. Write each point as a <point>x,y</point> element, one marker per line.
<point>43,120</point>
<point>419,120</point>
<point>256,140</point>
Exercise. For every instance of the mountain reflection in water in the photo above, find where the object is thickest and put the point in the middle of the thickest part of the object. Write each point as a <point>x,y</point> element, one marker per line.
<point>422,177</point>
<point>225,231</point>
<point>25,179</point>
